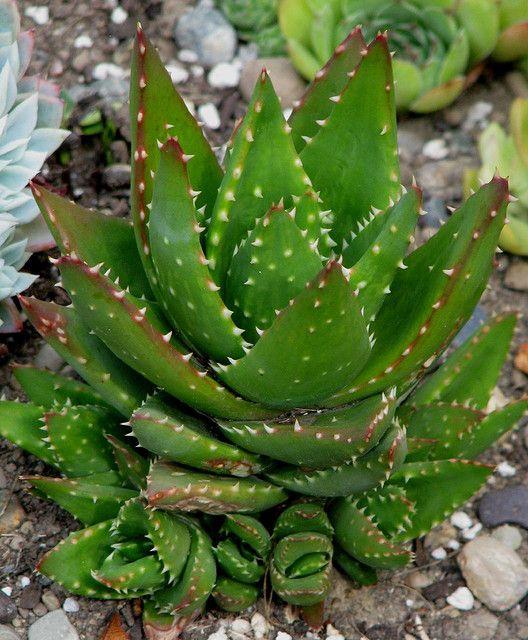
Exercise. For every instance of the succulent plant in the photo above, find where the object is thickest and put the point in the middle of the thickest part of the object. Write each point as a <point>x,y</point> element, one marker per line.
<point>435,43</point>
<point>256,21</point>
<point>509,154</point>
<point>266,335</point>
<point>30,119</point>
<point>512,43</point>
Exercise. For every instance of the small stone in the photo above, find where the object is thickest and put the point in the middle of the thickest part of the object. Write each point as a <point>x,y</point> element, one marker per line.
<point>220,634</point>
<point>439,536</point>
<point>53,626</point>
<point>40,609</point>
<point>461,599</point>
<point>8,608</point>
<point>224,76</point>
<point>70,605</point>
<point>208,114</point>
<point>24,582</point>
<point>281,635</point>
<point>516,276</point>
<point>105,70</point>
<point>239,625</point>
<point>495,573</point>
<point>83,41</point>
<point>177,73</point>
<point>119,150</point>
<point>435,213</point>
<point>509,505</point>
<point>13,514</point>
<point>207,32</point>
<point>187,55</point>
<point>453,544</point>
<point>472,532</point>
<point>259,625</point>
<point>439,553</point>
<point>7,633</point>
<point>461,520</point>
<point>418,580</point>
<point>118,15</point>
<point>7,590</point>
<point>288,85</point>
<point>521,358</point>
<point>435,149</point>
<point>509,536</point>
<point>116,176</point>
<point>39,15</point>
<point>478,115</point>
<point>30,597</point>
<point>48,358</point>
<point>497,401</point>
<point>506,470</point>
<point>50,600</point>
<point>197,71</point>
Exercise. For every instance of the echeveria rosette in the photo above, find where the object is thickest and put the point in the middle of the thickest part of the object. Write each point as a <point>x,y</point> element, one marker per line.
<point>30,119</point>
<point>256,21</point>
<point>508,154</point>
<point>512,43</point>
<point>261,329</point>
<point>435,43</point>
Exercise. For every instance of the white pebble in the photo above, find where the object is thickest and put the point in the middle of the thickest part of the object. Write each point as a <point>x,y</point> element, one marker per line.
<point>409,602</point>
<point>281,635</point>
<point>461,520</point>
<point>119,15</point>
<point>186,55</point>
<point>178,74</point>
<point>506,470</point>
<point>239,625</point>
<point>208,114</point>
<point>453,544</point>
<point>471,532</point>
<point>224,76</point>
<point>83,41</point>
<point>220,634</point>
<point>197,70</point>
<point>331,630</point>
<point>462,599</point>
<point>259,625</point>
<point>70,605</point>
<point>40,15</point>
<point>439,554</point>
<point>7,590</point>
<point>24,582</point>
<point>105,70</point>
<point>435,149</point>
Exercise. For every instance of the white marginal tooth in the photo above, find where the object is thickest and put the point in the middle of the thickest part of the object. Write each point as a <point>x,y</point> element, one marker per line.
<point>187,356</point>
<point>167,336</point>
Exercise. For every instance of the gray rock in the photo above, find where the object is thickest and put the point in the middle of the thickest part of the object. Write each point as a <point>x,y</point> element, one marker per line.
<point>509,505</point>
<point>287,82</point>
<point>477,625</point>
<point>495,573</point>
<point>478,316</point>
<point>206,31</point>
<point>53,626</point>
<point>8,608</point>
<point>48,358</point>
<point>117,176</point>
<point>7,633</point>
<point>50,600</point>
<point>508,535</point>
<point>516,276</point>
<point>30,596</point>
<point>435,213</point>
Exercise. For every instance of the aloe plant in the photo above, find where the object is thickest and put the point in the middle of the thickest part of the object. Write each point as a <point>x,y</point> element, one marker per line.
<point>509,154</point>
<point>435,43</point>
<point>266,335</point>
<point>30,119</point>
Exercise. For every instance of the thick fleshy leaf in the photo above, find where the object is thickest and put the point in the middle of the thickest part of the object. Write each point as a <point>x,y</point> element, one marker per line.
<point>89,503</point>
<point>355,135</point>
<point>186,290</point>
<point>446,277</point>
<point>232,595</point>
<point>21,424</point>
<point>322,320</point>
<point>132,467</point>
<point>262,169</point>
<point>64,331</point>
<point>175,488</point>
<point>157,112</point>
<point>470,373</point>
<point>187,439</point>
<point>171,540</point>
<point>317,440</point>
<point>119,321</point>
<point>95,238</point>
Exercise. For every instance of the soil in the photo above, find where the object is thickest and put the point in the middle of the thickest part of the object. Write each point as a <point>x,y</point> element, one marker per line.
<point>389,610</point>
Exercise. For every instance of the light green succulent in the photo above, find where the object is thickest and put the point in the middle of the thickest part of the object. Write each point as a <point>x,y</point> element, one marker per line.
<point>30,118</point>
<point>507,153</point>
<point>435,42</point>
<point>267,337</point>
<point>512,43</point>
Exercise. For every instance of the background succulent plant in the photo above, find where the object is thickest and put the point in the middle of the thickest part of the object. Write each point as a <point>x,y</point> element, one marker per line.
<point>512,43</point>
<point>435,43</point>
<point>509,154</point>
<point>256,21</point>
<point>30,119</point>
<point>262,328</point>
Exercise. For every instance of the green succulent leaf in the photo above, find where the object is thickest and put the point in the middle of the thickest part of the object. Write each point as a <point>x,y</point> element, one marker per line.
<point>132,467</point>
<point>232,595</point>
<point>22,424</point>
